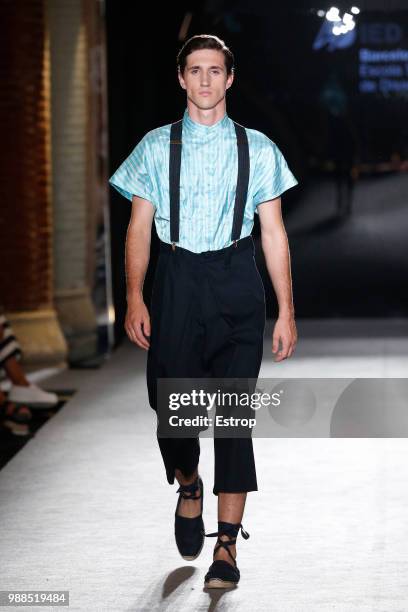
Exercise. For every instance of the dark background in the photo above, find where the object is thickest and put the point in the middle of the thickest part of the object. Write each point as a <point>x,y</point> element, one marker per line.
<point>309,102</point>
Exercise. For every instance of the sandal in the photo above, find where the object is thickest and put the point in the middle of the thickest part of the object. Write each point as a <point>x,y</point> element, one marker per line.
<point>20,414</point>
<point>16,420</point>
<point>189,532</point>
<point>222,574</point>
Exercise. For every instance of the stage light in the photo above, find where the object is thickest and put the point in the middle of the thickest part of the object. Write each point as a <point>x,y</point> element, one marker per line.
<point>333,14</point>
<point>355,10</point>
<point>336,26</point>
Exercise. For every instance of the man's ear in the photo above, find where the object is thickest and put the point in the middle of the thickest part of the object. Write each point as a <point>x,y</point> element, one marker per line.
<point>180,78</point>
<point>230,80</point>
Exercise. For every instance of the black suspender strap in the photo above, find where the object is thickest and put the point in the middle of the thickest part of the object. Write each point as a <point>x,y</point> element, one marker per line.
<point>242,181</point>
<point>174,180</point>
<point>174,174</point>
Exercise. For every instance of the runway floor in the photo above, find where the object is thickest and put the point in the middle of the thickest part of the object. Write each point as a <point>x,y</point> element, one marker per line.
<point>85,505</point>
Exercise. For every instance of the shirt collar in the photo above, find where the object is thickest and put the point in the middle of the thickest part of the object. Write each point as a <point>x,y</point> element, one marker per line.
<point>199,129</point>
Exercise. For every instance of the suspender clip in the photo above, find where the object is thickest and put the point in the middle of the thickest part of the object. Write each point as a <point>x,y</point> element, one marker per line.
<point>235,243</point>
<point>173,246</point>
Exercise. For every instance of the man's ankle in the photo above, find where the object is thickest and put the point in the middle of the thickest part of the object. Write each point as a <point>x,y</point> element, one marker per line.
<point>222,553</point>
<point>185,480</point>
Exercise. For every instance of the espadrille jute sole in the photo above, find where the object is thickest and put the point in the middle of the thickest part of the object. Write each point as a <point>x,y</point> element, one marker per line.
<point>217,583</point>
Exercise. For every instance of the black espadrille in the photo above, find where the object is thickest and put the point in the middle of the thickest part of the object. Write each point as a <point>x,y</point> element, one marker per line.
<point>221,574</point>
<point>189,532</point>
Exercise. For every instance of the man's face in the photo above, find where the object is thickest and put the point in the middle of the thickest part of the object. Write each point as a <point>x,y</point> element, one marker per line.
<point>205,72</point>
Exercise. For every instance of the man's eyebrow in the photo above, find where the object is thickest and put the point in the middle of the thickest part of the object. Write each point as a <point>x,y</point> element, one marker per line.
<point>191,67</point>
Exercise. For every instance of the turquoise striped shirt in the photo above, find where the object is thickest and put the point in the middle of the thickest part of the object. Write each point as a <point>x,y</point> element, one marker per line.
<point>208,178</point>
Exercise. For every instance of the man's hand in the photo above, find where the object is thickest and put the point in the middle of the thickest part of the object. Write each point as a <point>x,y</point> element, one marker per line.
<point>137,323</point>
<point>284,330</point>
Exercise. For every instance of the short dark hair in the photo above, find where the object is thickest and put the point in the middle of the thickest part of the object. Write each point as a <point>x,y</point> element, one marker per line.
<point>205,41</point>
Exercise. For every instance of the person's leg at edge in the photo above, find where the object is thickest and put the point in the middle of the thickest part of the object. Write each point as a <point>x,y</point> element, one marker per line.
<point>13,368</point>
<point>16,374</point>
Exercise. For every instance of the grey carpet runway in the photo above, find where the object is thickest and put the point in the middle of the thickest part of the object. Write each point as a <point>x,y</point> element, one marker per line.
<point>85,505</point>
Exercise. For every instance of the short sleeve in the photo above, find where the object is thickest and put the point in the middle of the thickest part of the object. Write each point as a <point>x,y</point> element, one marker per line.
<point>272,174</point>
<point>133,176</point>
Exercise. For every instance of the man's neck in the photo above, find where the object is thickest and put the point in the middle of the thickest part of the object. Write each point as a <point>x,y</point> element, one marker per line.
<point>207,116</point>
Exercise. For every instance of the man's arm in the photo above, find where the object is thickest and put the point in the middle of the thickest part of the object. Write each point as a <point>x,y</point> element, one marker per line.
<point>277,257</point>
<point>137,255</point>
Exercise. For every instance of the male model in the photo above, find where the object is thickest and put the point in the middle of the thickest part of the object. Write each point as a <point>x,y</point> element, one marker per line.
<point>202,178</point>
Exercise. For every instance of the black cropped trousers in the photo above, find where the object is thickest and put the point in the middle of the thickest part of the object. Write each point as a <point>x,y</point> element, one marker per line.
<point>207,320</point>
